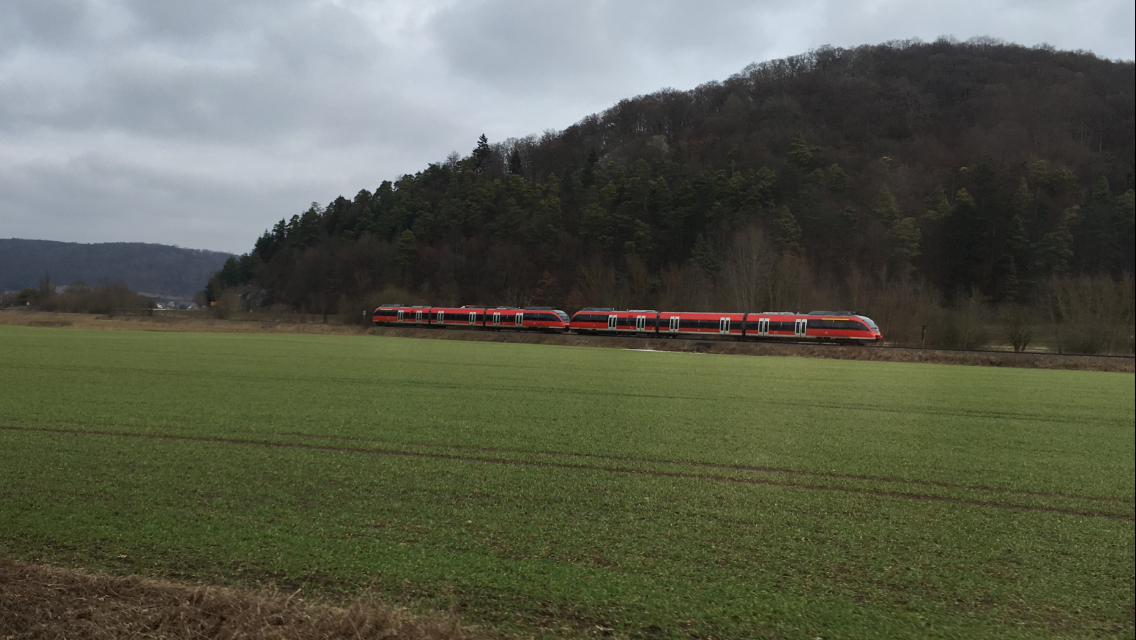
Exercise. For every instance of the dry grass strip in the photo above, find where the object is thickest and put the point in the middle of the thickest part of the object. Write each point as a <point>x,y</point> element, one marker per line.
<point>48,603</point>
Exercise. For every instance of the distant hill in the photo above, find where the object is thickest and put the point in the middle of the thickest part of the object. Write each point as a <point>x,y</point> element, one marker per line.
<point>935,187</point>
<point>979,168</point>
<point>155,269</point>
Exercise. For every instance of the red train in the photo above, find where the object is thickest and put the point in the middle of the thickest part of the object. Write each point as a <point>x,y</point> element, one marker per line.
<point>531,318</point>
<point>816,326</point>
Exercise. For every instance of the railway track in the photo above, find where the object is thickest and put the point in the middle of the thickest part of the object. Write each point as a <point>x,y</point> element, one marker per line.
<point>779,347</point>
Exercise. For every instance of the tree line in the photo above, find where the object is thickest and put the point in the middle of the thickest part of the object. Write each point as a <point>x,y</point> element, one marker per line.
<point>967,171</point>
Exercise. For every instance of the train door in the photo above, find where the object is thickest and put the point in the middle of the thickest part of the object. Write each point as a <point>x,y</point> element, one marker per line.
<point>611,322</point>
<point>763,327</point>
<point>723,325</point>
<point>674,320</point>
<point>441,317</point>
<point>800,326</point>
<point>400,315</point>
<point>519,320</point>
<point>472,317</point>
<point>496,318</point>
<point>640,323</point>
<point>418,317</point>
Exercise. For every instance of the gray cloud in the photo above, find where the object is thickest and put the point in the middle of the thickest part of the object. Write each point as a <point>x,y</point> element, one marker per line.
<point>202,123</point>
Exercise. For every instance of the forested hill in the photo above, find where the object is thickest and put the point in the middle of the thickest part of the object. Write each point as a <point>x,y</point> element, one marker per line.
<point>154,269</point>
<point>979,167</point>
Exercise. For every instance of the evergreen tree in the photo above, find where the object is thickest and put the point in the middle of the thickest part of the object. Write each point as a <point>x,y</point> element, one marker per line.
<point>787,232</point>
<point>1055,250</point>
<point>801,152</point>
<point>407,250</point>
<point>964,244</point>
<point>706,257</point>
<point>481,154</point>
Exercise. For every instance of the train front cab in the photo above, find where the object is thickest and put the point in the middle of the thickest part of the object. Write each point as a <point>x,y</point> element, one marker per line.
<point>875,335</point>
<point>545,319</point>
<point>845,328</point>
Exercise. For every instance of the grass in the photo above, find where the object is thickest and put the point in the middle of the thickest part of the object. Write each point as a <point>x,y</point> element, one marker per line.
<point>562,491</point>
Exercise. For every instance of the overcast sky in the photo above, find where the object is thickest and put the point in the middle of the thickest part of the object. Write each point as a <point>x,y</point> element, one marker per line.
<point>202,122</point>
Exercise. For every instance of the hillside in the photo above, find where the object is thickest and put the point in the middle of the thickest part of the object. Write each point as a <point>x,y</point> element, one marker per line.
<point>948,170</point>
<point>154,269</point>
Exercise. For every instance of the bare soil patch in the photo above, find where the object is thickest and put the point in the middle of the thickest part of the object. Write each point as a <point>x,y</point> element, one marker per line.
<point>263,324</point>
<point>47,603</point>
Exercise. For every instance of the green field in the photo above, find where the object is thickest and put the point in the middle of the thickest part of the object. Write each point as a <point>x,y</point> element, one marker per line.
<point>562,491</point>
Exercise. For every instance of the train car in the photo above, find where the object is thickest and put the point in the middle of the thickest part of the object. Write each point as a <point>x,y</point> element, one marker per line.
<point>528,318</point>
<point>815,326</point>
<point>818,326</point>
<point>701,324</point>
<point>608,320</point>
<point>457,316</point>
<point>397,314</point>
<point>535,318</point>
<point>776,324</point>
